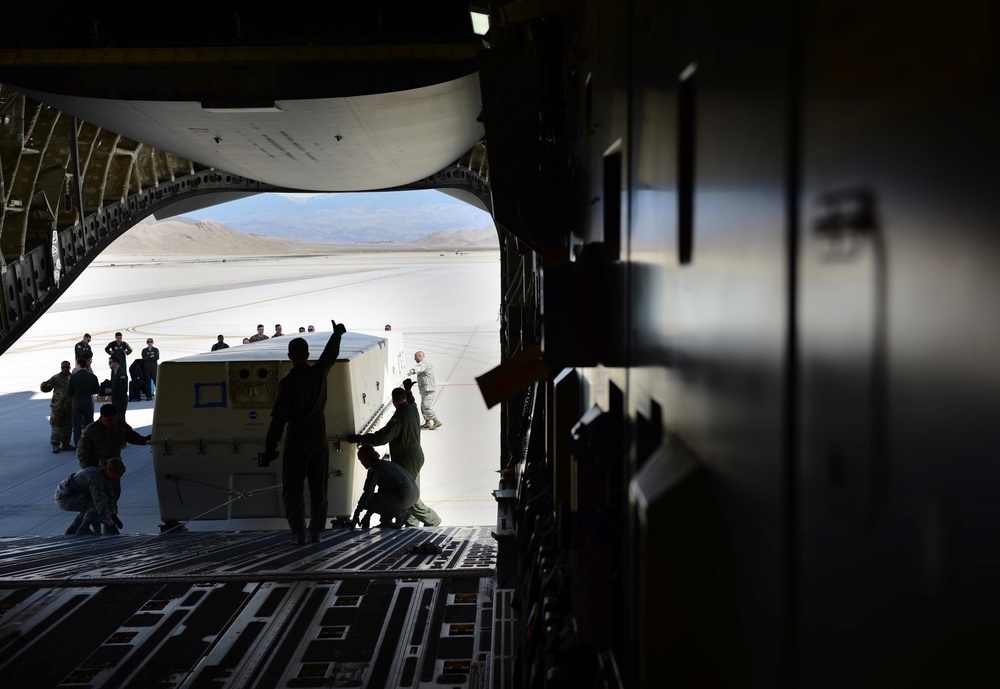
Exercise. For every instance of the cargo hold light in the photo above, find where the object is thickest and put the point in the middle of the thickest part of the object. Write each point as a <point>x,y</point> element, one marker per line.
<point>480,22</point>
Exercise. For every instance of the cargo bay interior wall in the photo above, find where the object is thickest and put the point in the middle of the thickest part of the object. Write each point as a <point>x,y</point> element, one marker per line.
<point>764,238</point>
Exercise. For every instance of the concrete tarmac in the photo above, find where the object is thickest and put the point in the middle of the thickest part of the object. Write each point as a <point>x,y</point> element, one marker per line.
<point>445,304</point>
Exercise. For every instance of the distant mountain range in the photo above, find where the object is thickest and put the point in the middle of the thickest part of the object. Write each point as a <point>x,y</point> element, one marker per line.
<point>183,236</point>
<point>402,217</point>
<point>187,237</point>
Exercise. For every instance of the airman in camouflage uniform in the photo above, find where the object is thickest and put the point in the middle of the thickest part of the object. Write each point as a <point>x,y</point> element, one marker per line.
<point>428,390</point>
<point>91,493</point>
<point>259,335</point>
<point>61,409</point>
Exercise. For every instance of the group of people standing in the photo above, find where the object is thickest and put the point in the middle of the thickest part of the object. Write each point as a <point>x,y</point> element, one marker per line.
<point>74,386</point>
<point>258,336</point>
<point>142,372</point>
<point>278,332</point>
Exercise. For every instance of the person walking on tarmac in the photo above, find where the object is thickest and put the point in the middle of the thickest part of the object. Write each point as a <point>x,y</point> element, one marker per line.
<point>60,409</point>
<point>402,434</point>
<point>150,357</point>
<point>397,491</point>
<point>91,493</point>
<point>428,390</point>
<point>301,405</point>
<point>119,349</point>
<point>81,389</point>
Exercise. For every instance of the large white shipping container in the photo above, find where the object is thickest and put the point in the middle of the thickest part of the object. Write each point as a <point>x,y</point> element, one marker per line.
<point>212,412</point>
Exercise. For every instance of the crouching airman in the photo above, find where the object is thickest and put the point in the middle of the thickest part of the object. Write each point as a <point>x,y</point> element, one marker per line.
<point>91,493</point>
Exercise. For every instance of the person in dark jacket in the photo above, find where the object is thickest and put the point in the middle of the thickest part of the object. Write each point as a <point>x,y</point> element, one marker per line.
<point>221,344</point>
<point>81,389</point>
<point>397,491</point>
<point>150,358</point>
<point>91,493</point>
<point>137,381</point>
<point>118,386</point>
<point>301,404</point>
<point>83,350</point>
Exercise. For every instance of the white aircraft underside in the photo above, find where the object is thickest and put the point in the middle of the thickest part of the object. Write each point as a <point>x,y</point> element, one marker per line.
<point>355,143</point>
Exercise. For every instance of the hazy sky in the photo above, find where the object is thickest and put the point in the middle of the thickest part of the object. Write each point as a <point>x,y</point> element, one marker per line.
<point>349,217</point>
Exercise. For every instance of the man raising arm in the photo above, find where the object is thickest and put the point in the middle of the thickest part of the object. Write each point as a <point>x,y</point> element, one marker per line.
<point>301,404</point>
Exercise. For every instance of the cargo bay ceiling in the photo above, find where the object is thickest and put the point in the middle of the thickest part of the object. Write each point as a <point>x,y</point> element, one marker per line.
<point>107,117</point>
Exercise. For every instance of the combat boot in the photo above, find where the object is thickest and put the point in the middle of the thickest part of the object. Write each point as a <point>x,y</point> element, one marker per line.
<point>426,424</point>
<point>68,448</point>
<point>436,425</point>
<point>88,529</point>
<point>55,449</point>
<point>399,519</point>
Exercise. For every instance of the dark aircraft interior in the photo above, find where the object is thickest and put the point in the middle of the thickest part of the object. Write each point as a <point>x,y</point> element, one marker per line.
<point>750,265</point>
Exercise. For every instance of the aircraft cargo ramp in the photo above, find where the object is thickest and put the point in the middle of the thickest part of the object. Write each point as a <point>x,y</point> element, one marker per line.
<point>376,608</point>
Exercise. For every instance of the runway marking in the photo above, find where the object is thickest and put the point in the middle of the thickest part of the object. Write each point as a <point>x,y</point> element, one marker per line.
<point>283,297</point>
<point>48,344</point>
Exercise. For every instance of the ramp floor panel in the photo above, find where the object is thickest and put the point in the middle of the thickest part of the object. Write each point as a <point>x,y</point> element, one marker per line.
<point>379,608</point>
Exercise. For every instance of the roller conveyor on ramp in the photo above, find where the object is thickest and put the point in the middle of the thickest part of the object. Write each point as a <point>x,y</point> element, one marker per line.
<point>378,608</point>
